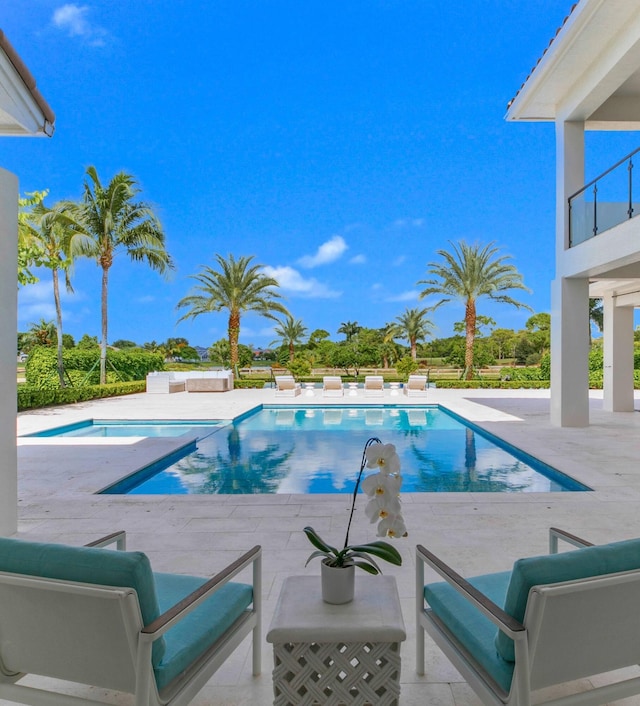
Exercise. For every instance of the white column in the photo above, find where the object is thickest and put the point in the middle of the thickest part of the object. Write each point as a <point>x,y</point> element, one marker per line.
<point>569,297</point>
<point>618,356</point>
<point>8,331</point>
<point>570,352</point>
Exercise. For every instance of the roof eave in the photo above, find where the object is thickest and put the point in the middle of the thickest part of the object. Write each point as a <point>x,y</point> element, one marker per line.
<point>47,122</point>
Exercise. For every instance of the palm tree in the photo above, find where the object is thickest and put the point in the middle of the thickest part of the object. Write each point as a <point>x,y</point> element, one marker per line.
<point>349,328</point>
<point>290,332</point>
<point>238,287</point>
<point>468,273</point>
<point>413,326</point>
<point>108,220</point>
<point>49,231</point>
<point>596,315</point>
<point>42,332</point>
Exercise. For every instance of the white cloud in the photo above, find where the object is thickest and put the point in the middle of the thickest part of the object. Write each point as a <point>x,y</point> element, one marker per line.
<point>146,299</point>
<point>409,296</point>
<point>326,253</point>
<point>292,281</point>
<point>358,260</point>
<point>73,20</point>
<point>35,302</point>
<point>399,260</point>
<point>408,223</point>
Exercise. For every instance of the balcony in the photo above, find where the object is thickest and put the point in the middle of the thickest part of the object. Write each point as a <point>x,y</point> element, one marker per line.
<point>604,202</point>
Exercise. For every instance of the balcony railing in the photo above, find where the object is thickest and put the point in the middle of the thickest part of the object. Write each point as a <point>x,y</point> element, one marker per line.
<point>604,202</point>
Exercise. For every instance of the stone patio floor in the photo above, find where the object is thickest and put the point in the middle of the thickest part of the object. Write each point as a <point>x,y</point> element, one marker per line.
<point>475,532</point>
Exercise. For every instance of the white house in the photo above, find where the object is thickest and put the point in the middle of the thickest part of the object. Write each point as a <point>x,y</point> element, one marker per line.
<point>23,112</point>
<point>589,79</point>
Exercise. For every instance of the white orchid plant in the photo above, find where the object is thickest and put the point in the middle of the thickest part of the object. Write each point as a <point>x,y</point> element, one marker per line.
<point>384,507</point>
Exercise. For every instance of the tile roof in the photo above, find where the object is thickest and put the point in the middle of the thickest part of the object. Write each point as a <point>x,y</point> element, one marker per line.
<point>29,81</point>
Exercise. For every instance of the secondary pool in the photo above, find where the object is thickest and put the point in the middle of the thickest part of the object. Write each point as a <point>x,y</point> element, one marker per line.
<point>318,449</point>
<point>122,427</point>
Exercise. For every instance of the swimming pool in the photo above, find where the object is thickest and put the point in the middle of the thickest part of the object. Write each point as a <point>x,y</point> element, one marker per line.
<point>123,427</point>
<point>315,449</point>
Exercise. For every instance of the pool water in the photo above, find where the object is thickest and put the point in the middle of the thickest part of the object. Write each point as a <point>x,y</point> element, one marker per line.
<point>318,450</point>
<point>118,428</point>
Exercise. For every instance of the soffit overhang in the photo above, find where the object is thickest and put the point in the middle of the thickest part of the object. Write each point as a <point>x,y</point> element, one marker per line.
<point>590,72</point>
<point>23,109</point>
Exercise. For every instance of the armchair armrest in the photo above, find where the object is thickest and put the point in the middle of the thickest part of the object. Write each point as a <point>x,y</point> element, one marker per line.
<point>119,538</point>
<point>555,534</point>
<point>505,622</point>
<point>163,622</point>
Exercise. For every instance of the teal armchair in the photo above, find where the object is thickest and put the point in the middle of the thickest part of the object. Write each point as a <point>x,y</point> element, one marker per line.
<point>552,619</point>
<point>101,617</point>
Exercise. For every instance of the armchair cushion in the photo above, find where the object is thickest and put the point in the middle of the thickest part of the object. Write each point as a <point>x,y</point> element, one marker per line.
<point>469,626</point>
<point>555,568</point>
<point>196,632</point>
<point>102,567</point>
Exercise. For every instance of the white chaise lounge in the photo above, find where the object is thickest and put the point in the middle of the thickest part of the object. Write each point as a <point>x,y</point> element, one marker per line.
<point>286,386</point>
<point>416,386</point>
<point>373,385</point>
<point>332,386</point>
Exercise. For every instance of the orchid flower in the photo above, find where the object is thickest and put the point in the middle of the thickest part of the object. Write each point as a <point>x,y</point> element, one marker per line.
<point>384,507</point>
<point>384,457</point>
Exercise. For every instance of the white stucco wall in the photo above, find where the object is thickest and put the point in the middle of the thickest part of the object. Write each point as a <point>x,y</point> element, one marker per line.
<point>8,328</point>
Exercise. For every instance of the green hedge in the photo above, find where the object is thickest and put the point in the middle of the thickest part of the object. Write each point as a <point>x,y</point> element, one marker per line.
<point>82,366</point>
<point>34,398</point>
<point>596,379</point>
<point>494,384</point>
<point>246,384</point>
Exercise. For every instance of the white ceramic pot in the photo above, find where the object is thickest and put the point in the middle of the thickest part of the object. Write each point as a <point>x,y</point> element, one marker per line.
<point>337,583</point>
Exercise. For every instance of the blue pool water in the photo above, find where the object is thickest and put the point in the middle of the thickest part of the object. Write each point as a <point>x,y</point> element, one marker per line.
<point>109,427</point>
<point>318,450</point>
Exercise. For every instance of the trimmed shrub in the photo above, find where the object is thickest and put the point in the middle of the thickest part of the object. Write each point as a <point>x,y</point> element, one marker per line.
<point>82,366</point>
<point>494,384</point>
<point>247,384</point>
<point>34,398</point>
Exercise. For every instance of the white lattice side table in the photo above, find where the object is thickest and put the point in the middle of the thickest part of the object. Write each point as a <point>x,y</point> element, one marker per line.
<point>337,654</point>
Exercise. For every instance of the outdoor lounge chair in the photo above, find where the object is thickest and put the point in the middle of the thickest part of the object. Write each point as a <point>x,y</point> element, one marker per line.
<point>100,617</point>
<point>416,386</point>
<point>373,385</point>
<point>552,619</point>
<point>286,386</point>
<point>332,386</point>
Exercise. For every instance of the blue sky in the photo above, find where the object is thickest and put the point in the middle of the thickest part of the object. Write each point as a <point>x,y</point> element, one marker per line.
<point>341,143</point>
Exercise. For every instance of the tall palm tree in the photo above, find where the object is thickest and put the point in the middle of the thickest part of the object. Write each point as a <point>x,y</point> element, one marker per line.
<point>349,328</point>
<point>109,220</point>
<point>49,229</point>
<point>290,332</point>
<point>238,287</point>
<point>468,273</point>
<point>414,327</point>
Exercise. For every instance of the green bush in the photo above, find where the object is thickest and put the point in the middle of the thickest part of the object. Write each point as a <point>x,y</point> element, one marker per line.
<point>520,374</point>
<point>405,366</point>
<point>34,398</point>
<point>82,366</point>
<point>545,367</point>
<point>299,367</point>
